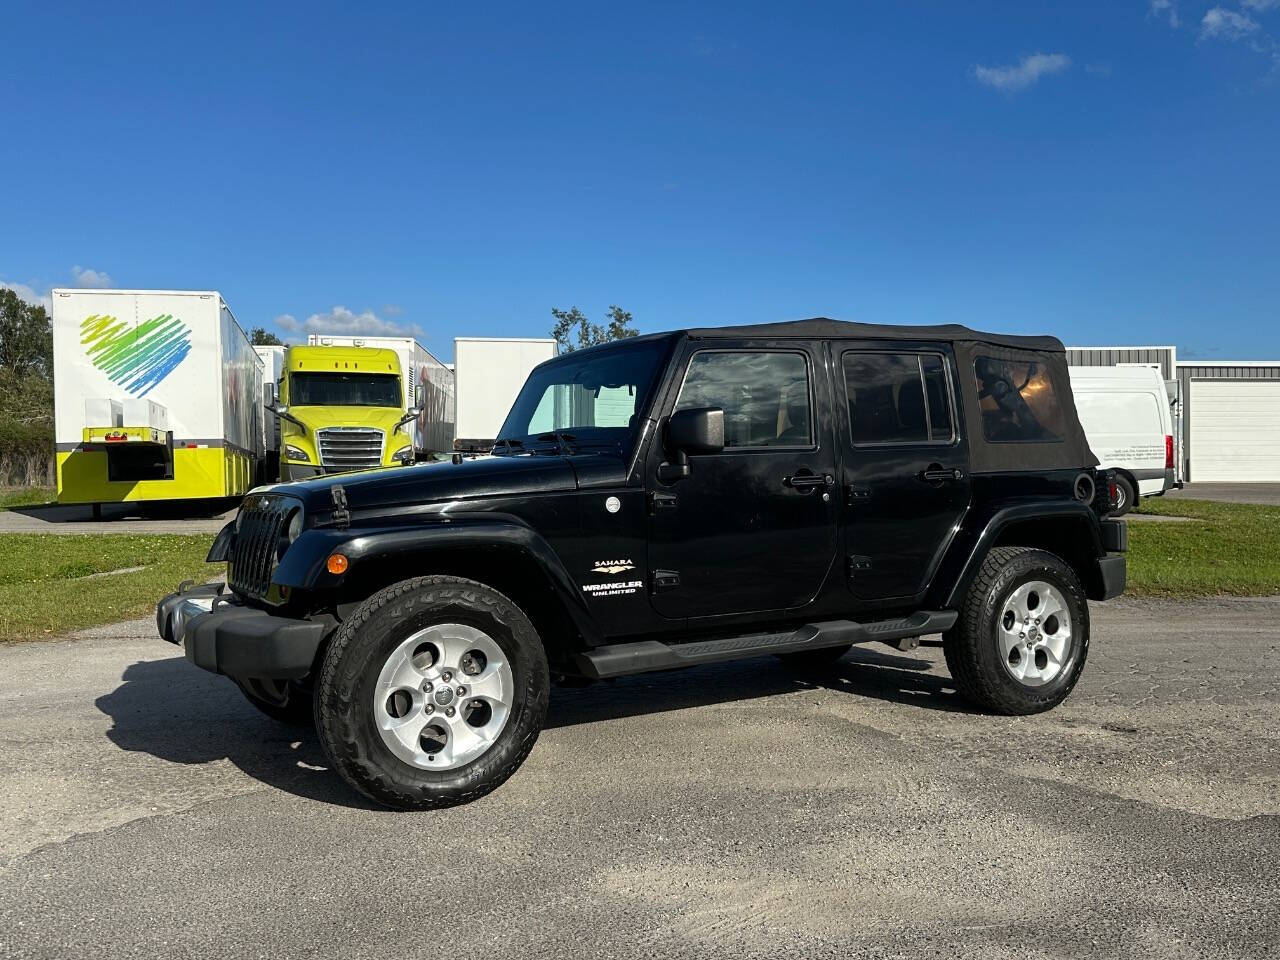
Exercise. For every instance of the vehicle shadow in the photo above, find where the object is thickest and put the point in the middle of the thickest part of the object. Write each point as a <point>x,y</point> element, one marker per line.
<point>135,510</point>
<point>171,711</point>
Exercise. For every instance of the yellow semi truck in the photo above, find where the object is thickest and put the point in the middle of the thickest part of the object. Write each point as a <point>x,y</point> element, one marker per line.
<point>340,409</point>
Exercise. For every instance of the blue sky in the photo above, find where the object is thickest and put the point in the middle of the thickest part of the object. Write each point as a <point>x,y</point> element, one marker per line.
<point>1107,172</point>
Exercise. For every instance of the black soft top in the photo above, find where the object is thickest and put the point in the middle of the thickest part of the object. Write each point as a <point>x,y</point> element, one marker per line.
<point>818,328</point>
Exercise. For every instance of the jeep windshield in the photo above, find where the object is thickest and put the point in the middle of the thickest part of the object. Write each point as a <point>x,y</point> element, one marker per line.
<point>344,390</point>
<point>589,400</point>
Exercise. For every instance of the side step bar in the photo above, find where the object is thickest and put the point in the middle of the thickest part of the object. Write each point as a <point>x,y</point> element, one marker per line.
<point>621,659</point>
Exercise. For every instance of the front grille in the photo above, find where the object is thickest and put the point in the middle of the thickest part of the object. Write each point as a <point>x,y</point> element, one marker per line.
<point>253,554</point>
<point>349,448</point>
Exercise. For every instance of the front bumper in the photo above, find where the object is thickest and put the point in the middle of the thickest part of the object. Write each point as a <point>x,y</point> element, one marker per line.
<point>222,635</point>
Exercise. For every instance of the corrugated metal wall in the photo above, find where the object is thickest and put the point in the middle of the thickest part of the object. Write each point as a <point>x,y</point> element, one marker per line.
<point>1191,371</point>
<point>1112,356</point>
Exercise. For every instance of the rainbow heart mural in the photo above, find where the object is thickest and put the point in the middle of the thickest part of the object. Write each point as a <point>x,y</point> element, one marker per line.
<point>136,358</point>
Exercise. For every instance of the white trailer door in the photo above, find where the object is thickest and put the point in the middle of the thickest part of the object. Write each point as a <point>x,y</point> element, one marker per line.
<point>1235,430</point>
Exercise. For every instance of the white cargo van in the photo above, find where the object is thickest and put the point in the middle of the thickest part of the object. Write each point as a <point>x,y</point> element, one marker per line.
<point>1126,418</point>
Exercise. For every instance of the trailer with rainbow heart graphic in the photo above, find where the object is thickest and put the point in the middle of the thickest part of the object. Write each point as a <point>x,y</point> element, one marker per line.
<point>157,396</point>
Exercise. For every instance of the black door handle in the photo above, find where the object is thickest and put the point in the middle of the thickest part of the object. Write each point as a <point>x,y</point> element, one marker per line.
<point>940,474</point>
<point>807,481</point>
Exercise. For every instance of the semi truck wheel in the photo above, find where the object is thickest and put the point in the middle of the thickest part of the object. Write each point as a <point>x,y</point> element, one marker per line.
<point>1021,640</point>
<point>432,694</point>
<point>281,700</point>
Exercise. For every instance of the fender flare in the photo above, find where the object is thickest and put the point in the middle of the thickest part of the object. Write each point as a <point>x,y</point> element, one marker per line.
<point>1001,518</point>
<point>303,565</point>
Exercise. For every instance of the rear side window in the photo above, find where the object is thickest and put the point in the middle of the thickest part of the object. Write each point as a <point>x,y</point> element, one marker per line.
<point>898,398</point>
<point>1018,401</point>
<point>764,395</point>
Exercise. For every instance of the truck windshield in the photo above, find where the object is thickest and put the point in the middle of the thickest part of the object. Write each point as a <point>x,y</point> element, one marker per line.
<point>344,390</point>
<point>591,399</point>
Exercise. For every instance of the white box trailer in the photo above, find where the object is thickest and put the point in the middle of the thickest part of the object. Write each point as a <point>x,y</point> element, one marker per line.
<point>272,357</point>
<point>428,384</point>
<point>157,396</point>
<point>489,372</point>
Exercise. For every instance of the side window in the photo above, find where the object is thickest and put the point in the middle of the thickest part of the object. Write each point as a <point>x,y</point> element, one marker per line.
<point>898,398</point>
<point>764,395</point>
<point>1018,402</point>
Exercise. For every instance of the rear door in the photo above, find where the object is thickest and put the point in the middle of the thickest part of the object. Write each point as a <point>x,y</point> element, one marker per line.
<point>905,478</point>
<point>753,528</point>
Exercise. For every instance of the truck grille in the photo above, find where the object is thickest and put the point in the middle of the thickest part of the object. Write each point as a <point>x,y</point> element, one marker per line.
<point>253,554</point>
<point>349,448</point>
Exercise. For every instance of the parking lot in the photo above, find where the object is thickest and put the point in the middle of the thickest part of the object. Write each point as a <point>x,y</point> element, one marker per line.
<point>729,810</point>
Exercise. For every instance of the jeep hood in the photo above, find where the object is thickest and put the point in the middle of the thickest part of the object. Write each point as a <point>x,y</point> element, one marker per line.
<point>394,488</point>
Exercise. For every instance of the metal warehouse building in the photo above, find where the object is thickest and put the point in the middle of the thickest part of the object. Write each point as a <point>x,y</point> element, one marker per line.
<point>1226,414</point>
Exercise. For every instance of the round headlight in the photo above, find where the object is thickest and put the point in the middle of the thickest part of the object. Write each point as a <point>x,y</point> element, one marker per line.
<point>295,526</point>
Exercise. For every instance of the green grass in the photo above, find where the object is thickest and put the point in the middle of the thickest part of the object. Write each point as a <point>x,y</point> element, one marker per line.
<point>1230,549</point>
<point>46,588</point>
<point>25,496</point>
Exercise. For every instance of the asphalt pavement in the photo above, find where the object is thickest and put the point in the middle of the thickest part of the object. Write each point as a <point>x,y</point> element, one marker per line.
<point>1267,494</point>
<point>732,810</point>
<point>201,516</point>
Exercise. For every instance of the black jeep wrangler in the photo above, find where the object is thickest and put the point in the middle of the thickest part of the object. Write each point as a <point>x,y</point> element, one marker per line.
<point>669,500</point>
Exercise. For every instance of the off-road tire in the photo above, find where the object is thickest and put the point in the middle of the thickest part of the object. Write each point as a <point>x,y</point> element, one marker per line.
<point>1126,496</point>
<point>288,703</point>
<point>349,671</point>
<point>972,649</point>
<point>809,660</point>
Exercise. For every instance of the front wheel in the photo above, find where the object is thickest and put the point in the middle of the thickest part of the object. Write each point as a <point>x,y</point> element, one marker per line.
<point>1021,640</point>
<point>432,694</point>
<point>1126,496</point>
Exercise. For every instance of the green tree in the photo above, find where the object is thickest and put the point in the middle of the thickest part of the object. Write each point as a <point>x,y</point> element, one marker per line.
<point>26,336</point>
<point>617,327</point>
<point>261,337</point>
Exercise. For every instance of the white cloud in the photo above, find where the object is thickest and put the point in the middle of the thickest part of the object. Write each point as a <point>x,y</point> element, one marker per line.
<point>1223,24</point>
<point>1166,10</point>
<point>1019,77</point>
<point>342,321</point>
<point>28,294</point>
<point>1261,5</point>
<point>84,277</point>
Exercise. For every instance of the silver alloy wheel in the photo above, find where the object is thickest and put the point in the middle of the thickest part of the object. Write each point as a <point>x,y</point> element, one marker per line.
<point>1035,633</point>
<point>443,696</point>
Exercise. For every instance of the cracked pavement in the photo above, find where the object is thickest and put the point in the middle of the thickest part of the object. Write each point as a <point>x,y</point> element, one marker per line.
<point>732,810</point>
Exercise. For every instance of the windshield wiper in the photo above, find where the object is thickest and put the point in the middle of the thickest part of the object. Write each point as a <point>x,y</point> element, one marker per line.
<point>510,443</point>
<point>564,441</point>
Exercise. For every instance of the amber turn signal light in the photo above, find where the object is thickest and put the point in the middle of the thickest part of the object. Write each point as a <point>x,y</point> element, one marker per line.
<point>336,563</point>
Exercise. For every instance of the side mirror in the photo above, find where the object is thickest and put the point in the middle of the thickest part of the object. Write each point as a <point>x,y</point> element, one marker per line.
<point>409,416</point>
<point>700,430</point>
<point>269,396</point>
<point>691,431</point>
<point>419,394</point>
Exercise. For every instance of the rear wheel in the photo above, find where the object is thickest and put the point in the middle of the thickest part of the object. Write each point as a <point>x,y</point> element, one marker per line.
<point>432,694</point>
<point>1021,640</point>
<point>1126,496</point>
<point>282,700</point>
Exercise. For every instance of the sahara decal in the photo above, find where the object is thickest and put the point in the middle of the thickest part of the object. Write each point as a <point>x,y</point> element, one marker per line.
<point>138,357</point>
<point>612,567</point>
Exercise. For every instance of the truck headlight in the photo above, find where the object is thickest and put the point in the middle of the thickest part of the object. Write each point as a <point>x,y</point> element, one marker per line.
<point>295,453</point>
<point>404,454</point>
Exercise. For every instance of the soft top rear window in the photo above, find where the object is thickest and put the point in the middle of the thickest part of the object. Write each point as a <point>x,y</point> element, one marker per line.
<point>1018,401</point>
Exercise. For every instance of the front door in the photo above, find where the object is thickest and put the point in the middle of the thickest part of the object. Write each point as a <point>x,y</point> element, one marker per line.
<point>753,528</point>
<point>906,466</point>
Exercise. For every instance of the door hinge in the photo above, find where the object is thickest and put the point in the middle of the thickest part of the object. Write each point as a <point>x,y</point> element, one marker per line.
<point>855,565</point>
<point>853,496</point>
<point>664,580</point>
<point>661,501</point>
